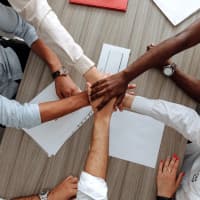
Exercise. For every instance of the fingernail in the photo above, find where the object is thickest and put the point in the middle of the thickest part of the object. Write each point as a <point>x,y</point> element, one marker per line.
<point>161,161</point>
<point>183,174</point>
<point>176,157</point>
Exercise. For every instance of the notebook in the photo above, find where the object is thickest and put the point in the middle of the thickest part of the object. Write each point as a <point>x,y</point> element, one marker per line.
<point>52,135</point>
<point>120,5</point>
<point>178,10</point>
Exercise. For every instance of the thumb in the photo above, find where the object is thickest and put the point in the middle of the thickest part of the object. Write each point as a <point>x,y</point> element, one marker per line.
<point>179,179</point>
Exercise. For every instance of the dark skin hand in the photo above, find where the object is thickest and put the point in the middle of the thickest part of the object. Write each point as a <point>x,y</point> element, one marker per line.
<point>116,85</point>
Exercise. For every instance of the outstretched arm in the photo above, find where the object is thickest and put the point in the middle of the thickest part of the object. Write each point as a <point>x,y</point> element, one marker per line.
<point>13,114</point>
<point>116,85</point>
<point>92,183</point>
<point>49,28</point>
<point>183,119</point>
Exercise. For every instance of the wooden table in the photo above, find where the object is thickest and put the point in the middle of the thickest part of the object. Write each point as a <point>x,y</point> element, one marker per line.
<point>26,169</point>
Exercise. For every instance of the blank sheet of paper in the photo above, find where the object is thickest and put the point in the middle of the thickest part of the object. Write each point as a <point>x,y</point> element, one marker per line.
<point>178,10</point>
<point>135,138</point>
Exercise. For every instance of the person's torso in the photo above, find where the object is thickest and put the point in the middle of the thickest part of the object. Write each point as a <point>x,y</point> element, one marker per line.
<point>10,71</point>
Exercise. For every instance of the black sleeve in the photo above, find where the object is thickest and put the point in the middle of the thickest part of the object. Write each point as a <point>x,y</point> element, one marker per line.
<point>163,198</point>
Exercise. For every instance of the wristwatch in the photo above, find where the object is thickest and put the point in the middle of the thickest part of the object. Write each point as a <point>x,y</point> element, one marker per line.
<point>169,69</point>
<point>44,195</point>
<point>62,72</point>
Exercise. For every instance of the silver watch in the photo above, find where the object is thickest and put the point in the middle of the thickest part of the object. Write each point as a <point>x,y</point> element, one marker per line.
<point>169,69</point>
<point>44,195</point>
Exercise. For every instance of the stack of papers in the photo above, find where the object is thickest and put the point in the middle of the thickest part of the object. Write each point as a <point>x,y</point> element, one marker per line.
<point>178,10</point>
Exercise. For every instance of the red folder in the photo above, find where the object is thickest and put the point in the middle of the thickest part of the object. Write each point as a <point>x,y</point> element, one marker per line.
<point>109,4</point>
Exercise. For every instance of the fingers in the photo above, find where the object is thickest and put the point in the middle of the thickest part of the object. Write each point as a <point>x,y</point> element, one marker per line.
<point>161,165</point>
<point>179,179</point>
<point>103,103</point>
<point>60,95</point>
<point>165,169</point>
<point>100,82</point>
<point>97,95</point>
<point>131,86</point>
<point>172,163</point>
<point>119,100</point>
<point>97,89</point>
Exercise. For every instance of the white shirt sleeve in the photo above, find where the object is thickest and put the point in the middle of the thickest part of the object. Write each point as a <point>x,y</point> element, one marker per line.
<point>91,188</point>
<point>13,114</point>
<point>49,28</point>
<point>183,119</point>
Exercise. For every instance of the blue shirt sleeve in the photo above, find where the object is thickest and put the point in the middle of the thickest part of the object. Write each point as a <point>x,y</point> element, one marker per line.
<point>14,114</point>
<point>12,23</point>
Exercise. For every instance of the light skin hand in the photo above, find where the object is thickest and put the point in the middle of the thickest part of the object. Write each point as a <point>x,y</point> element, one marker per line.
<point>64,191</point>
<point>167,180</point>
<point>65,87</point>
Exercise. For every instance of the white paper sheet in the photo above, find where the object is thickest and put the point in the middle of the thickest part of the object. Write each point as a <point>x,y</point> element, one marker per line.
<point>52,135</point>
<point>135,138</point>
<point>178,10</point>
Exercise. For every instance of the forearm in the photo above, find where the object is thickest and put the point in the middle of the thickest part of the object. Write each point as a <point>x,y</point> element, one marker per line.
<point>97,160</point>
<point>93,75</point>
<point>187,83</point>
<point>28,198</point>
<point>50,29</point>
<point>162,52</point>
<point>45,53</point>
<point>56,109</point>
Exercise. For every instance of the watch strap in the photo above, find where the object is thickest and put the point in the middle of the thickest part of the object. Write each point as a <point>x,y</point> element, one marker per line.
<point>163,198</point>
<point>62,72</point>
<point>44,195</point>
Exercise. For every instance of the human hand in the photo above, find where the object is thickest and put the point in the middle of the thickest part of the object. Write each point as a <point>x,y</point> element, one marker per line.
<point>65,87</point>
<point>110,87</point>
<point>65,190</point>
<point>167,180</point>
<point>106,111</point>
<point>127,101</point>
<point>167,62</point>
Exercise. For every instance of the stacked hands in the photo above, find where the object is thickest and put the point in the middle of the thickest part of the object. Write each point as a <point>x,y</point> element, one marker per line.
<point>115,86</point>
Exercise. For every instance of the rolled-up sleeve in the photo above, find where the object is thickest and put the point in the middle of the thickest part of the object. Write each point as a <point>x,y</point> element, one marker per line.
<point>91,188</point>
<point>49,28</point>
<point>12,23</point>
<point>14,114</point>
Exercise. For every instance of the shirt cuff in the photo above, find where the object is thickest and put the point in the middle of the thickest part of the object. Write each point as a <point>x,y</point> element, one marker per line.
<point>83,64</point>
<point>31,117</point>
<point>92,186</point>
<point>142,105</point>
<point>30,36</point>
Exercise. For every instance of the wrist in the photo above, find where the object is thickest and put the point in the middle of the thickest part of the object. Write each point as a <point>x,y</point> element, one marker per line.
<point>125,75</point>
<point>165,195</point>
<point>163,198</point>
<point>102,118</point>
<point>128,101</point>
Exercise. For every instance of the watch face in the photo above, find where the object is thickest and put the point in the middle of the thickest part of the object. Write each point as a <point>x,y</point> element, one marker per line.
<point>168,71</point>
